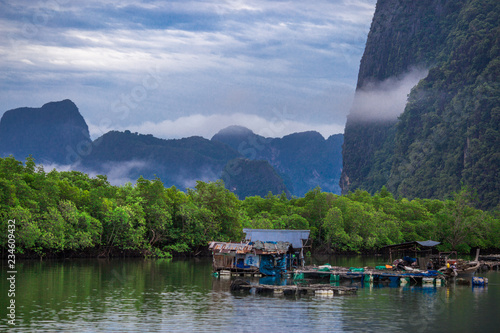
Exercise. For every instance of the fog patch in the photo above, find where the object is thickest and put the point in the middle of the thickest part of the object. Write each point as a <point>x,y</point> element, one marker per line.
<point>120,173</point>
<point>186,181</point>
<point>386,100</point>
<point>117,173</point>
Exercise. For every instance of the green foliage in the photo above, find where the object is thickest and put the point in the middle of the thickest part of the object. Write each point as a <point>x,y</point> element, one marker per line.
<point>221,204</point>
<point>155,204</point>
<point>69,211</point>
<point>462,226</point>
<point>27,231</point>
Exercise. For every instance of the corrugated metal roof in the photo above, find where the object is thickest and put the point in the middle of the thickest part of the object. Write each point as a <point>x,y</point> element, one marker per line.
<point>428,243</point>
<point>244,248</point>
<point>224,247</point>
<point>294,237</point>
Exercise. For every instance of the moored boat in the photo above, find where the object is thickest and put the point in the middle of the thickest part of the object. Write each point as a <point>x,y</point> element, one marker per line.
<point>460,267</point>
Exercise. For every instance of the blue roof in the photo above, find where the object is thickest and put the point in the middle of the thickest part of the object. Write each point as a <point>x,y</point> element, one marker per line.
<point>294,237</point>
<point>428,243</point>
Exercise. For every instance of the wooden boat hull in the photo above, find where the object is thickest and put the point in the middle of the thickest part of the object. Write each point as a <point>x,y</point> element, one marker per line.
<point>467,271</point>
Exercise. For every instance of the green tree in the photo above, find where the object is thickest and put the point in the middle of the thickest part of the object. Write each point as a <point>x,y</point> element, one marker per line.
<point>27,231</point>
<point>223,204</point>
<point>336,236</point>
<point>293,222</point>
<point>461,226</point>
<point>81,230</point>
<point>155,203</point>
<point>53,230</point>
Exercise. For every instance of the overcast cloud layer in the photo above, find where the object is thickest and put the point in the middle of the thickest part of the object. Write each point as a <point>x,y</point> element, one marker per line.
<point>182,68</point>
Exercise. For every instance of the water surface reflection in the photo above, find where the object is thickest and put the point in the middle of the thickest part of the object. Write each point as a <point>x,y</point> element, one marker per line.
<point>181,295</point>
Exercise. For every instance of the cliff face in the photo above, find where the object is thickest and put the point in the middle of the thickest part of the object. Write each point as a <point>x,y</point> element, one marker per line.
<point>448,134</point>
<point>56,132</point>
<point>405,34</point>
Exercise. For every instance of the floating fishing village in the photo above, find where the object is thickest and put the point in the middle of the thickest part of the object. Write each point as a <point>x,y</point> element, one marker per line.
<point>273,261</point>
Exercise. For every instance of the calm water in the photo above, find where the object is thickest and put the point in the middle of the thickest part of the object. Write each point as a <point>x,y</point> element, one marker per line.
<point>128,295</point>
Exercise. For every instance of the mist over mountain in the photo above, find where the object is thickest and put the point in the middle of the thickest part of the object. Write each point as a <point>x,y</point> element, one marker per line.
<point>176,162</point>
<point>442,59</point>
<point>53,133</point>
<point>56,135</point>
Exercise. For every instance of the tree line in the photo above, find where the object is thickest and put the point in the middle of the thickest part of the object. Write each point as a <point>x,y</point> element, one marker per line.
<point>71,213</point>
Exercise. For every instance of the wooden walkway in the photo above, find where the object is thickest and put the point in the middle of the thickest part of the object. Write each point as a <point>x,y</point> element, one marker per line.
<point>316,289</point>
<point>489,265</point>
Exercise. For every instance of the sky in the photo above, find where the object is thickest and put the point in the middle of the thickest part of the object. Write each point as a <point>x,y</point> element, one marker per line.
<point>182,68</point>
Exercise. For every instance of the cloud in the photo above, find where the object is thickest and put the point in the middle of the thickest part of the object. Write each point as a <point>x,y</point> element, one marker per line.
<point>204,175</point>
<point>386,100</point>
<point>117,173</point>
<point>279,124</point>
<point>120,173</point>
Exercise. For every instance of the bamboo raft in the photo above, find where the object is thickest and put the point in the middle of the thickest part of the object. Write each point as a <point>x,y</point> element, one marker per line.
<point>316,289</point>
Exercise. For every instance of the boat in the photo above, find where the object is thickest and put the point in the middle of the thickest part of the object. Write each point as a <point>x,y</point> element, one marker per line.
<point>459,267</point>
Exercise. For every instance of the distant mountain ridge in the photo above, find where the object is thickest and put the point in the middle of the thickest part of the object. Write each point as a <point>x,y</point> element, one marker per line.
<point>176,162</point>
<point>304,160</point>
<point>249,164</point>
<point>247,177</point>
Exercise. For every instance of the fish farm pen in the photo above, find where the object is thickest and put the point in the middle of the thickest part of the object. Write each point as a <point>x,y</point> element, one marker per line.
<point>490,262</point>
<point>279,254</point>
<point>377,275</point>
<point>296,290</point>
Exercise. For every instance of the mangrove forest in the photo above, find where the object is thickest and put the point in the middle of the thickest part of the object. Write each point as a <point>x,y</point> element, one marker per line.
<point>70,214</point>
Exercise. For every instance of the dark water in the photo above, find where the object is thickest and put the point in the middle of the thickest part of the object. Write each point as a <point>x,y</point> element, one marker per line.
<point>128,295</point>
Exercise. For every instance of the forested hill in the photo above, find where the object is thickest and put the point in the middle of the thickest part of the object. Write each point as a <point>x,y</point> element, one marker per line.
<point>180,163</point>
<point>304,160</point>
<point>448,135</point>
<point>57,134</point>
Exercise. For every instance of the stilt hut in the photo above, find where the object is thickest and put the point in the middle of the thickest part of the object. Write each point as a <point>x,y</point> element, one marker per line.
<point>420,250</point>
<point>298,240</point>
<point>267,252</point>
<point>267,258</point>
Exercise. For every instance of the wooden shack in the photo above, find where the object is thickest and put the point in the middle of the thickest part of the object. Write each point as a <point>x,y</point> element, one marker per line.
<point>420,250</point>
<point>298,239</point>
<point>267,252</point>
